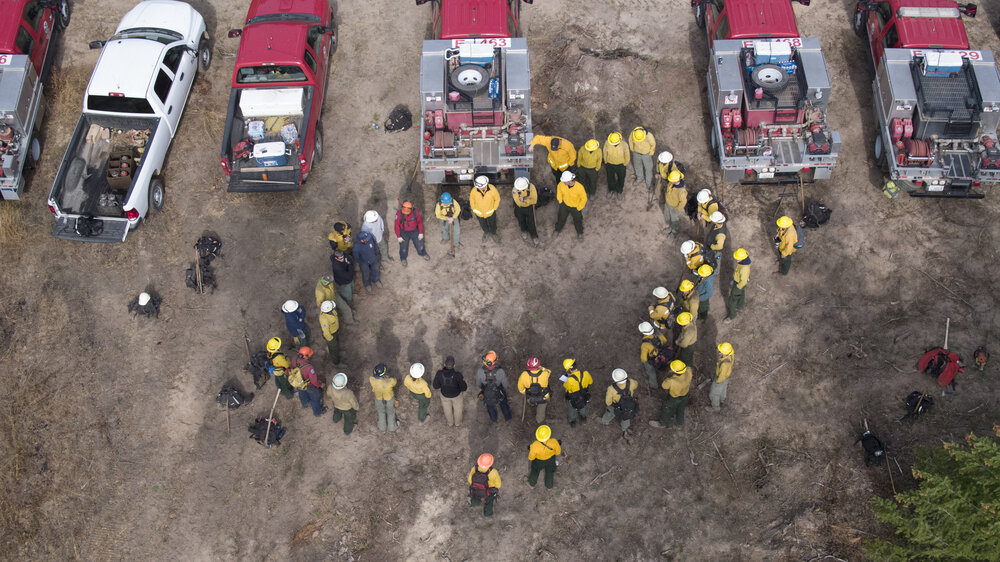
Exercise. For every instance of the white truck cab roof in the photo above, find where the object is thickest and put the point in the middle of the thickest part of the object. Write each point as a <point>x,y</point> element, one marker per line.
<point>126,68</point>
<point>178,17</point>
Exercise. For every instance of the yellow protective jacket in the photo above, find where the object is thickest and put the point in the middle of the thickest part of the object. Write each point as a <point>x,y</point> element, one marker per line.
<point>616,153</point>
<point>325,293</point>
<point>717,236</point>
<point>696,258</point>
<point>645,146</point>
<point>575,196</point>
<point>706,210</point>
<point>647,350</point>
<point>493,474</point>
<point>417,386</point>
<point>530,196</point>
<point>542,377</point>
<point>678,385</point>
<point>539,451</point>
<point>741,275</point>
<point>676,197</point>
<point>688,335</point>
<point>484,204</point>
<point>614,393</point>
<point>383,388</point>
<point>329,323</point>
<point>787,238</point>
<point>660,311</point>
<point>691,302</point>
<point>279,361</point>
<point>342,399</point>
<point>724,368</point>
<point>560,159</point>
<point>665,169</point>
<point>338,237</point>
<point>571,385</point>
<point>441,211</point>
<point>589,159</point>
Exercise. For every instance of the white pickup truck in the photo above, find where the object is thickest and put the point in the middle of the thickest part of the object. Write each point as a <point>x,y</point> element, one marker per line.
<point>110,177</point>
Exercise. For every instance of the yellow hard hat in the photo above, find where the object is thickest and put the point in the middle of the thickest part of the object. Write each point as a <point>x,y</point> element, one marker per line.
<point>592,144</point>
<point>615,138</point>
<point>273,344</point>
<point>639,133</point>
<point>675,176</point>
<point>677,366</point>
<point>726,348</point>
<point>705,271</point>
<point>543,433</point>
<point>686,285</point>
<point>684,318</point>
<point>568,363</point>
<point>784,222</point>
<point>740,254</point>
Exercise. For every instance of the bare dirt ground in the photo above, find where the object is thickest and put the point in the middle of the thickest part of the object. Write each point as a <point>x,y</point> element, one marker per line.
<point>113,447</point>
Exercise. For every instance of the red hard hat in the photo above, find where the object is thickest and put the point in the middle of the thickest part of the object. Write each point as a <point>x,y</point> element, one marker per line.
<point>305,351</point>
<point>485,461</point>
<point>534,363</point>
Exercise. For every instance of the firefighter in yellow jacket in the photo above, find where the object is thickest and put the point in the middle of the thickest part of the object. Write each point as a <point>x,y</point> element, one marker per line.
<point>588,165</point>
<point>419,389</point>
<point>616,159</point>
<point>525,197</point>
<point>674,403</point>
<point>723,369</point>
<point>785,240</point>
<point>484,484</point>
<point>484,199</point>
<point>694,254</point>
<point>643,146</point>
<point>738,287</point>
<point>340,237</point>
<point>621,400</point>
<point>542,456</point>
<point>449,212</point>
<point>690,301</point>
<point>576,383</point>
<point>572,199</point>
<point>385,397</point>
<point>661,311</point>
<point>534,385</point>
<point>652,342</point>
<point>562,153</point>
<point>329,324</point>
<point>345,402</point>
<point>675,195</point>
<point>687,338</point>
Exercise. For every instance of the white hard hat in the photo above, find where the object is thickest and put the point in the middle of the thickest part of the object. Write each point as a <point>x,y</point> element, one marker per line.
<point>482,181</point>
<point>687,247</point>
<point>327,306</point>
<point>417,370</point>
<point>143,299</point>
<point>665,157</point>
<point>717,217</point>
<point>660,292</point>
<point>289,306</point>
<point>567,176</point>
<point>339,381</point>
<point>371,216</point>
<point>619,375</point>
<point>646,329</point>
<point>521,184</point>
<point>704,195</point>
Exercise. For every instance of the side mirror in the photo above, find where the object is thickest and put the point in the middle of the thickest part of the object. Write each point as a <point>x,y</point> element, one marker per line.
<point>529,1</point>
<point>422,2</point>
<point>969,9</point>
<point>804,2</point>
<point>233,33</point>
<point>96,44</point>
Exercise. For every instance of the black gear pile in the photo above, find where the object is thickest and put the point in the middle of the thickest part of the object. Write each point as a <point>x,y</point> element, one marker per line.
<point>150,310</point>
<point>258,369</point>
<point>232,396</point>
<point>209,247</point>
<point>399,119</point>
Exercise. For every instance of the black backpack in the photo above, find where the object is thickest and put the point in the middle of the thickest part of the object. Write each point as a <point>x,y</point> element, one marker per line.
<point>663,354</point>
<point>627,406</point>
<point>917,403</point>
<point>493,393</point>
<point>816,214</point>
<point>579,398</point>
<point>400,119</point>
<point>257,367</point>
<point>232,396</point>
<point>480,487</point>
<point>259,429</point>
<point>535,392</point>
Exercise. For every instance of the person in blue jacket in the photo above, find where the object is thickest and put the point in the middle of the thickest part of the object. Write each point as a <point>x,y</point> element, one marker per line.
<point>367,257</point>
<point>295,321</point>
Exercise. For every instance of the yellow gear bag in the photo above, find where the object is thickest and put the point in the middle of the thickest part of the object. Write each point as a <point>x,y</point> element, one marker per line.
<point>295,379</point>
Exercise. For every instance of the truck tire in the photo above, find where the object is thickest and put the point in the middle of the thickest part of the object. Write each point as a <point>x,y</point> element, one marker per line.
<point>65,11</point>
<point>699,15</point>
<point>859,21</point>
<point>156,194</point>
<point>881,159</point>
<point>204,54</point>
<point>470,79</point>
<point>769,77</point>
<point>317,145</point>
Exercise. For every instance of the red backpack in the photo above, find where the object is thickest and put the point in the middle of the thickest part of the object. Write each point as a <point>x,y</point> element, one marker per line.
<point>480,487</point>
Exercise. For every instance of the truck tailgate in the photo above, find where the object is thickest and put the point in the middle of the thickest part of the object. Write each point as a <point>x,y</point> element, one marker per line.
<point>90,229</point>
<point>272,178</point>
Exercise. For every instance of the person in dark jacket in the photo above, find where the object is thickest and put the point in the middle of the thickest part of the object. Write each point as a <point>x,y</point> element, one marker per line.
<point>295,321</point>
<point>366,255</point>
<point>451,384</point>
<point>492,382</point>
<point>343,280</point>
<point>409,227</point>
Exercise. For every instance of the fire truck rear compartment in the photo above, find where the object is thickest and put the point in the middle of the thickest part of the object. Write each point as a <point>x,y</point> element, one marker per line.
<point>947,106</point>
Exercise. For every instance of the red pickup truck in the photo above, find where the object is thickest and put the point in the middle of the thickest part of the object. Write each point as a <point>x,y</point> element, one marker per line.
<point>27,28</point>
<point>273,134</point>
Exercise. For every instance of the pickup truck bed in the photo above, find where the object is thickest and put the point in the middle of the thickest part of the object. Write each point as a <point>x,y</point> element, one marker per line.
<point>99,169</point>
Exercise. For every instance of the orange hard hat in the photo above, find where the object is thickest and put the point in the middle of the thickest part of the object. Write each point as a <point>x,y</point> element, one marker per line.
<point>305,351</point>
<point>485,461</point>
<point>490,357</point>
<point>407,207</point>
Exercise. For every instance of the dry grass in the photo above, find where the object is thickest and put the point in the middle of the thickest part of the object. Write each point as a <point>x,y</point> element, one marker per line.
<point>11,222</point>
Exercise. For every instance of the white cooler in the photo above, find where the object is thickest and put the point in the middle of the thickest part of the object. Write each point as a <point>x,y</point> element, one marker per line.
<point>268,154</point>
